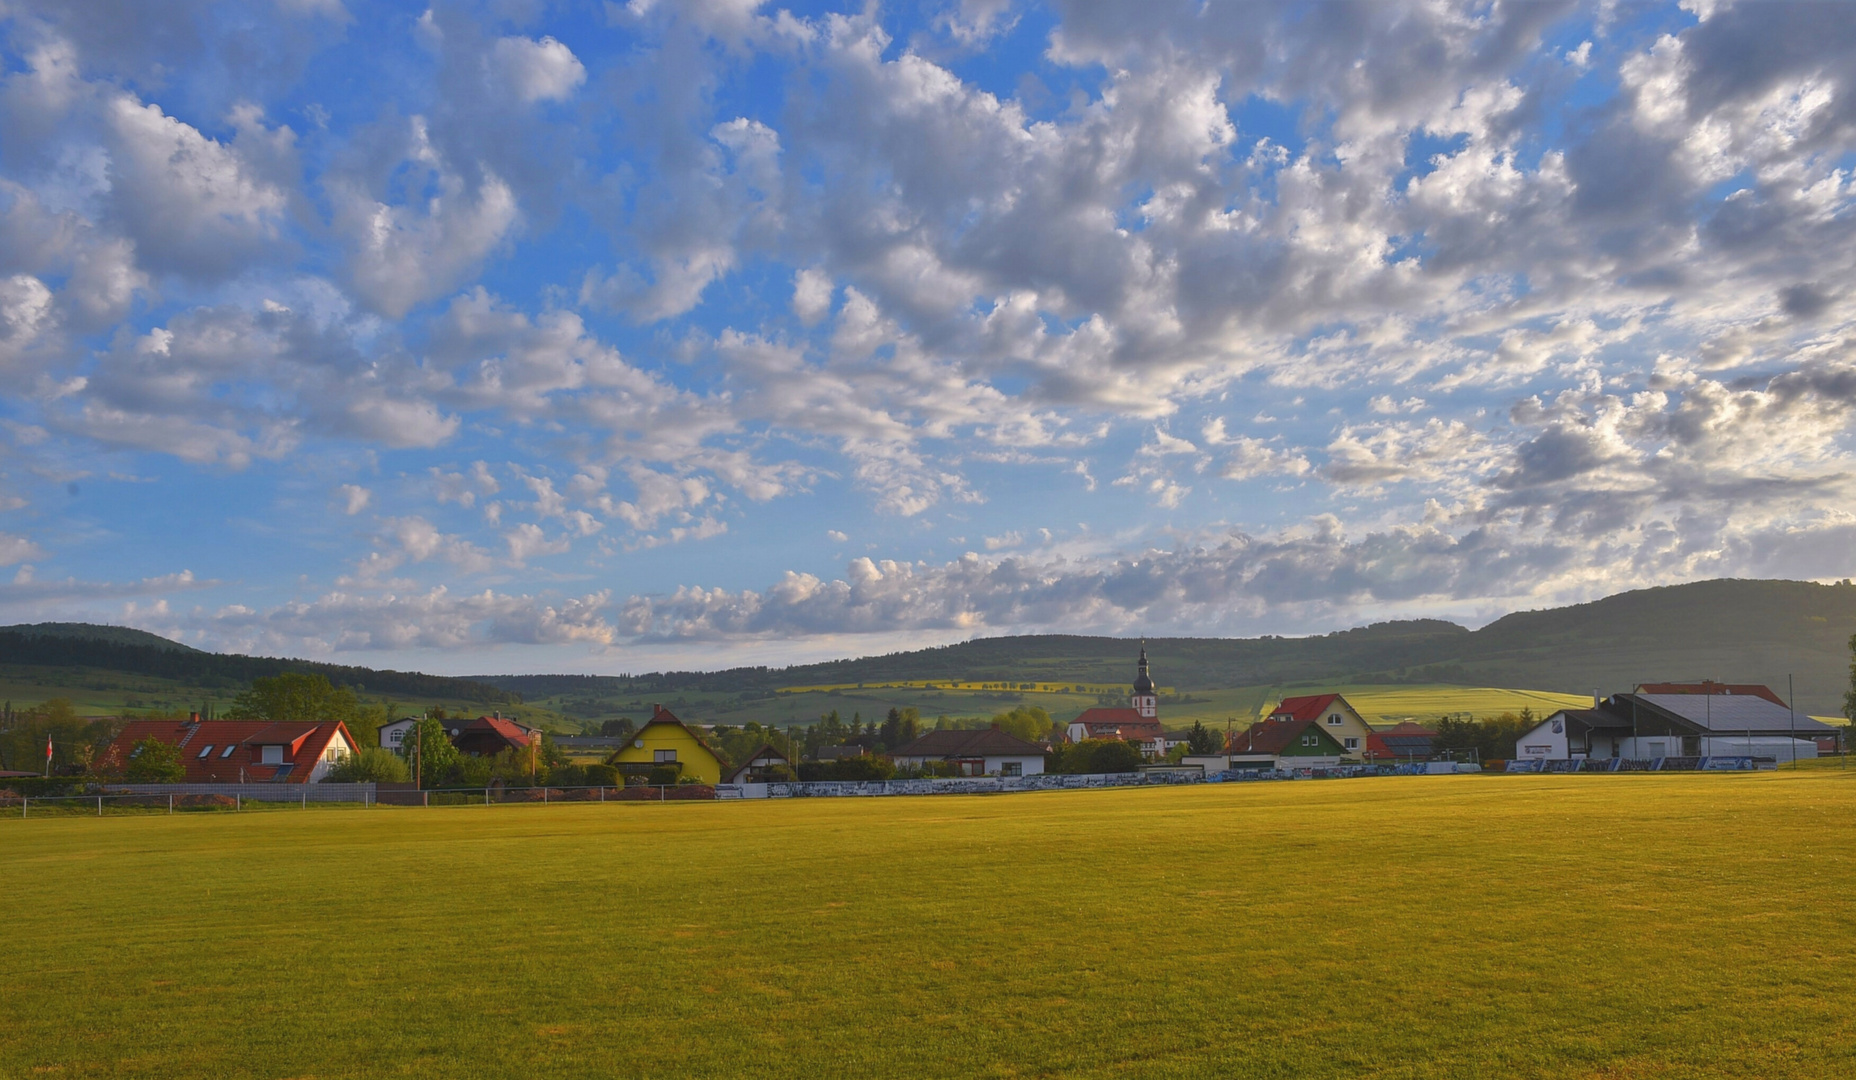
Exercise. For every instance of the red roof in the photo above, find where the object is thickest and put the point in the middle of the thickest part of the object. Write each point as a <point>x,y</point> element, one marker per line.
<point>1707,687</point>
<point>231,751</point>
<point>1126,724</point>
<point>1303,708</point>
<point>1271,736</point>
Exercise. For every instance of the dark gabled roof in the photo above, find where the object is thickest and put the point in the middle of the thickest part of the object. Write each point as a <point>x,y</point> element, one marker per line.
<point>960,744</point>
<point>1600,719</point>
<point>1730,714</point>
<point>766,750</point>
<point>1275,736</point>
<point>1709,687</point>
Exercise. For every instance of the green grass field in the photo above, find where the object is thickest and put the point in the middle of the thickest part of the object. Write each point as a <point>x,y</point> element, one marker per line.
<point>1479,926</point>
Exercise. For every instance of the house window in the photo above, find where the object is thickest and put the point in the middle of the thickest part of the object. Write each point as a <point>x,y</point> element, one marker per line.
<point>664,756</point>
<point>394,737</point>
<point>270,755</point>
<point>205,751</point>
<point>227,752</point>
<point>1334,720</point>
<point>1352,744</point>
<point>1011,768</point>
<point>1308,740</point>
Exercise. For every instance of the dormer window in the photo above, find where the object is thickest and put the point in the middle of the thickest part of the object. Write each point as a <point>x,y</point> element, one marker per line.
<point>270,755</point>
<point>207,749</point>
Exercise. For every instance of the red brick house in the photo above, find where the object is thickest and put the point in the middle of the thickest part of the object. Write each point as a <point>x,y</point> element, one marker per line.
<point>239,751</point>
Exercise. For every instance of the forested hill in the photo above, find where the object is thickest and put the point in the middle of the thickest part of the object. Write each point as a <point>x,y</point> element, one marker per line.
<point>1729,630</point>
<point>115,648</point>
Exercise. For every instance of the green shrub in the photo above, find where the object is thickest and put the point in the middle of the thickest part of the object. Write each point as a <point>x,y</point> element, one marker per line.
<point>154,762</point>
<point>665,775</point>
<point>601,776</point>
<point>568,776</point>
<point>370,765</point>
<point>1098,756</point>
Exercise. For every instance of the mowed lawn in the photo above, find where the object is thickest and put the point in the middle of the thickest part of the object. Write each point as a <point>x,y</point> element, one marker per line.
<point>1475,926</point>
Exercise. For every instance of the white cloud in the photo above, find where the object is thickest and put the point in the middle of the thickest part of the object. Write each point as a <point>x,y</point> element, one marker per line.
<point>354,498</point>
<point>544,70</point>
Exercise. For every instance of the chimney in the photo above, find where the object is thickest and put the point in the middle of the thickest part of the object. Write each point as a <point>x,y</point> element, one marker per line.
<point>193,718</point>
<point>1596,700</point>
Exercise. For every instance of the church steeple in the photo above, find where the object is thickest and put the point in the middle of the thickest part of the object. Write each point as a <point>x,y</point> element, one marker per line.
<point>1144,699</point>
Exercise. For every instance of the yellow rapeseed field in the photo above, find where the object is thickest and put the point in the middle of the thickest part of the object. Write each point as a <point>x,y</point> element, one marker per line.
<point>1476,926</point>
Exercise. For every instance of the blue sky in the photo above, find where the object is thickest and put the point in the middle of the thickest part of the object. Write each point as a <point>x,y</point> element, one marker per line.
<point>520,337</point>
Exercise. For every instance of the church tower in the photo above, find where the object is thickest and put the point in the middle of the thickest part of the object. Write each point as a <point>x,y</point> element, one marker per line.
<point>1144,700</point>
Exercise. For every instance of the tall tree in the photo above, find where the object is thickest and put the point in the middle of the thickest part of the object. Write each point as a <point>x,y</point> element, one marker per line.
<point>293,697</point>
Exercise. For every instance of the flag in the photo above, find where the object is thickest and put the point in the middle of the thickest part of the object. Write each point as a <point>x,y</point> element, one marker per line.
<point>48,748</point>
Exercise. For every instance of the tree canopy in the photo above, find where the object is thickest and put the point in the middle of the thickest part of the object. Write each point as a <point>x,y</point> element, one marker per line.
<point>294,697</point>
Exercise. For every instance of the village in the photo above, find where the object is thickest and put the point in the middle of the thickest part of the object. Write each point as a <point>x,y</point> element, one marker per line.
<point>1705,726</point>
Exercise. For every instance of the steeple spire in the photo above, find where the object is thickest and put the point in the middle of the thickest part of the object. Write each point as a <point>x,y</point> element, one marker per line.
<point>1144,700</point>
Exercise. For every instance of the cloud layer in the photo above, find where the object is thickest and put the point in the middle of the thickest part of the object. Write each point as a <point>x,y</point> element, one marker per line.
<point>719,323</point>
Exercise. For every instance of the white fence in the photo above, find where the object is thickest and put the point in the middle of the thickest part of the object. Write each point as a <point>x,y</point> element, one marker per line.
<point>304,793</point>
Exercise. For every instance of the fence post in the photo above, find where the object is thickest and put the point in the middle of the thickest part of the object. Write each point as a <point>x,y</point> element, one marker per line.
<point>305,796</point>
<point>99,806</point>
<point>544,794</point>
<point>425,798</point>
<point>602,793</point>
<point>238,800</point>
<point>486,796</point>
<point>170,802</point>
<point>23,800</point>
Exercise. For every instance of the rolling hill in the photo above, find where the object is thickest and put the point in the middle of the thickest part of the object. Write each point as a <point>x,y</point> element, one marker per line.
<point>1730,630</point>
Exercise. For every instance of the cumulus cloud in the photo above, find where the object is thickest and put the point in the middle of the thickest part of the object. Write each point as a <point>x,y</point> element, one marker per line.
<point>544,70</point>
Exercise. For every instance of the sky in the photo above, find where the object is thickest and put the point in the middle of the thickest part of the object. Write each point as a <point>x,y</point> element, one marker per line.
<point>518,336</point>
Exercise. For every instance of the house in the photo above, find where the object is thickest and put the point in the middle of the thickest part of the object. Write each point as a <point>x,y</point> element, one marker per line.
<point>1406,741</point>
<point>1138,723</point>
<point>760,765</point>
<point>240,751</point>
<point>1573,734</point>
<point>665,740</point>
<point>1644,726</point>
<point>486,736</point>
<point>1335,715</point>
<point>985,752</point>
<point>1283,744</point>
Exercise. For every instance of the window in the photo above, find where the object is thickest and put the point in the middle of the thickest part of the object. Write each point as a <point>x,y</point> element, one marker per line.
<point>664,756</point>
<point>394,737</point>
<point>205,751</point>
<point>270,755</point>
<point>1011,768</point>
<point>227,752</point>
<point>1352,744</point>
<point>1308,740</point>
<point>1333,719</point>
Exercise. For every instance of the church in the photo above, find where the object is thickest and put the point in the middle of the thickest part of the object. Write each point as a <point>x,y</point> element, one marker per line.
<point>1138,723</point>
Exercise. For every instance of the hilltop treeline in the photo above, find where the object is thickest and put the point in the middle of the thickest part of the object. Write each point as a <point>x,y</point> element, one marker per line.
<point>230,671</point>
<point>1731,630</point>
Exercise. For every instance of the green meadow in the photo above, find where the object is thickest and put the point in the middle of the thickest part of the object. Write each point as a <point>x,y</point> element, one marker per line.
<point>1478,926</point>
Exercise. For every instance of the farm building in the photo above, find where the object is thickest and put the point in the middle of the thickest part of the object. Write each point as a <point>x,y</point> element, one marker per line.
<point>240,751</point>
<point>1338,718</point>
<point>1138,723</point>
<point>760,765</point>
<point>1407,741</point>
<point>986,752</point>
<point>1649,726</point>
<point>664,740</point>
<point>1708,686</point>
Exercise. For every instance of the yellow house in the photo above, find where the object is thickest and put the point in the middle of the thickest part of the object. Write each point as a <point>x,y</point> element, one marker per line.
<point>665,741</point>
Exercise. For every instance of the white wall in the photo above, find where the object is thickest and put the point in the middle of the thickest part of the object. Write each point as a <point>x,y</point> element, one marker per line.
<point>1542,744</point>
<point>1781,747</point>
<point>1030,765</point>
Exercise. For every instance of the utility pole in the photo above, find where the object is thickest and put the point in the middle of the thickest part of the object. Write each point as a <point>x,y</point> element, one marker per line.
<point>1791,704</point>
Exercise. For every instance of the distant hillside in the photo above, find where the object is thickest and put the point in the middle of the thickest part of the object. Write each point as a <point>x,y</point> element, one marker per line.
<point>114,635</point>
<point>117,649</point>
<point>1729,630</point>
